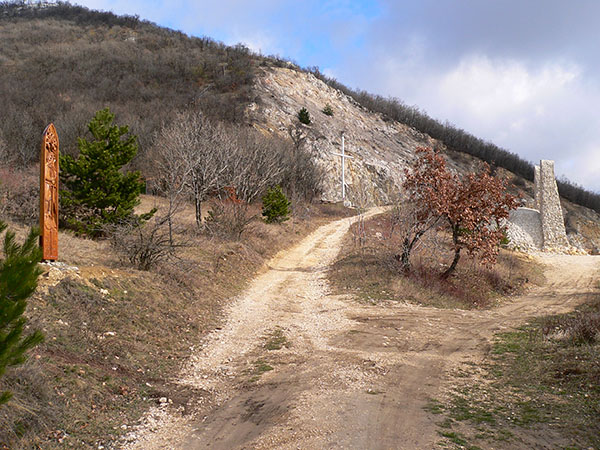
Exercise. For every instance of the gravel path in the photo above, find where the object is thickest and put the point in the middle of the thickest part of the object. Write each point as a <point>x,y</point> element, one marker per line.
<point>353,376</point>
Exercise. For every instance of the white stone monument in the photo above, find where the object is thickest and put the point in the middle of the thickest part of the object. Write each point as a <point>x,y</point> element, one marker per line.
<point>541,228</point>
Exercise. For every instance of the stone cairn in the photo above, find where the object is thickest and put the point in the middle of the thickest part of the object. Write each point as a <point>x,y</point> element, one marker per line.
<point>540,228</point>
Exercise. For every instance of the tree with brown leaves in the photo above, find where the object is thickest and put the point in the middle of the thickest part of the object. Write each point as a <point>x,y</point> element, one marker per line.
<point>473,206</point>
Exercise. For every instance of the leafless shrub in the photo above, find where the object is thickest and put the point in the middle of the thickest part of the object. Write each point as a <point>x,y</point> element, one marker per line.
<point>360,195</point>
<point>19,194</point>
<point>580,328</point>
<point>585,329</point>
<point>256,163</point>
<point>228,219</point>
<point>143,245</point>
<point>303,177</point>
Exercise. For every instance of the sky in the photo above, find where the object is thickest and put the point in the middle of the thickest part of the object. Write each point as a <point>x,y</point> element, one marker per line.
<point>523,74</point>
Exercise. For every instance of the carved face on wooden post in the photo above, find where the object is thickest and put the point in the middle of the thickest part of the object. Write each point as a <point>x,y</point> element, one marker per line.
<point>49,194</point>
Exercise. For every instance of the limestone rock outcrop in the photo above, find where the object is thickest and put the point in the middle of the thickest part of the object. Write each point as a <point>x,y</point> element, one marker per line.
<point>380,149</point>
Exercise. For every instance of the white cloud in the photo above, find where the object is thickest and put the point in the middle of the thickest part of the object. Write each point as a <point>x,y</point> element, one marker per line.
<point>257,41</point>
<point>488,88</point>
<point>541,111</point>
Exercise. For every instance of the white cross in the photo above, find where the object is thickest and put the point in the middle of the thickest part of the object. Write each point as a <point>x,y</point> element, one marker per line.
<point>344,156</point>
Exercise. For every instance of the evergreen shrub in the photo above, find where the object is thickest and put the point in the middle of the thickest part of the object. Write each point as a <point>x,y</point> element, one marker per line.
<point>304,116</point>
<point>19,274</point>
<point>97,192</point>
<point>276,206</point>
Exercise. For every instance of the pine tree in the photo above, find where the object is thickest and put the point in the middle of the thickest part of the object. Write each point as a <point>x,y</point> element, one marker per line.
<point>304,116</point>
<point>97,193</point>
<point>19,274</point>
<point>276,206</point>
<point>328,110</point>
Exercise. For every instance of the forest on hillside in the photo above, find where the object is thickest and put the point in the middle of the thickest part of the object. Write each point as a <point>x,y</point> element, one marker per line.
<point>62,63</point>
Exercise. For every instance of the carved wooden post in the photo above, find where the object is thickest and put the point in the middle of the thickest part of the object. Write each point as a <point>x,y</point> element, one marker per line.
<point>49,194</point>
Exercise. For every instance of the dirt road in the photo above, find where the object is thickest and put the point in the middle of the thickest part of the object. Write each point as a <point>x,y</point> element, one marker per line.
<point>346,375</point>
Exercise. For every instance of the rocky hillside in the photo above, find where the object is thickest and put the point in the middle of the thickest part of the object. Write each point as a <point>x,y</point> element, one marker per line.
<point>146,74</point>
<point>380,148</point>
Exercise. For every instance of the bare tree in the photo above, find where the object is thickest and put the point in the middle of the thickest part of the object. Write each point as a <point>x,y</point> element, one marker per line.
<point>304,177</point>
<point>144,244</point>
<point>256,163</point>
<point>172,156</point>
<point>194,158</point>
<point>212,144</point>
<point>360,196</point>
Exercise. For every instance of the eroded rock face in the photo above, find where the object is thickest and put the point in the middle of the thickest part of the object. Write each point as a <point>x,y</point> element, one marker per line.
<point>380,149</point>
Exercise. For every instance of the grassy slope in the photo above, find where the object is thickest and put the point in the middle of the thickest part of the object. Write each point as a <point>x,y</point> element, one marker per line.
<point>115,336</point>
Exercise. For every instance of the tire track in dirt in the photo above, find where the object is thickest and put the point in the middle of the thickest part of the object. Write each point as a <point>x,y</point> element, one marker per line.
<point>355,376</point>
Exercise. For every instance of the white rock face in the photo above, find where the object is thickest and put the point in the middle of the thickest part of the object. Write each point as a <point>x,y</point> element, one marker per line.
<point>380,149</point>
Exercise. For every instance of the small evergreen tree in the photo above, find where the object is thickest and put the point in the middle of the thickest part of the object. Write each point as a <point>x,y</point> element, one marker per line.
<point>276,206</point>
<point>304,116</point>
<point>328,110</point>
<point>97,193</point>
<point>19,274</point>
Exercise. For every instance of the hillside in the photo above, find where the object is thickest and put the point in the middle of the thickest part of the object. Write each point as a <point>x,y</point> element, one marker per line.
<point>381,148</point>
<point>62,63</point>
<point>247,330</point>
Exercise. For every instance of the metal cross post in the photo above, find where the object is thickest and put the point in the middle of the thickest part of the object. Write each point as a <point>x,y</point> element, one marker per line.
<point>344,156</point>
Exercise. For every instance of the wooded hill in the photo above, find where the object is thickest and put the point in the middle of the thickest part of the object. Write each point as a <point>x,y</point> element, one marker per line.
<point>64,62</point>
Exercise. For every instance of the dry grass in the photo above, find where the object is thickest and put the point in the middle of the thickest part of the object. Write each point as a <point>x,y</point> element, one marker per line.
<point>116,336</point>
<point>372,273</point>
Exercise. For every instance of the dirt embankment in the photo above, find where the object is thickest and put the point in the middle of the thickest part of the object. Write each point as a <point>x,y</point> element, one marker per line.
<point>343,375</point>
